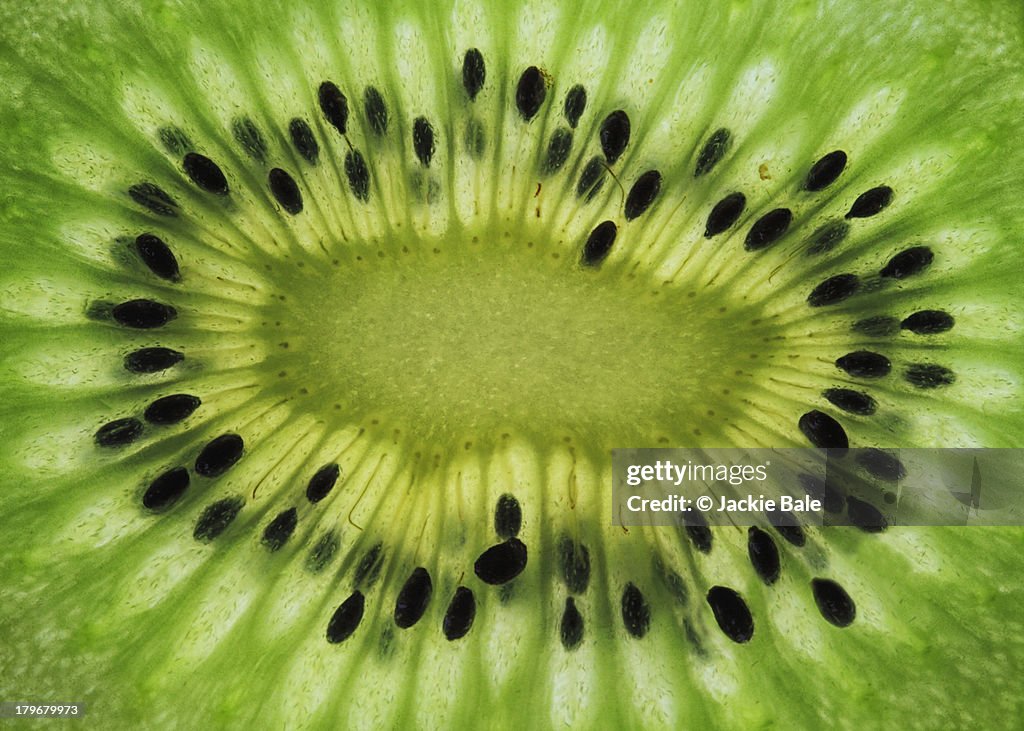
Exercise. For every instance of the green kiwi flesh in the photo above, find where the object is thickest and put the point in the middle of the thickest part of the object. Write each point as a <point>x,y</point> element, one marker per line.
<point>320,322</point>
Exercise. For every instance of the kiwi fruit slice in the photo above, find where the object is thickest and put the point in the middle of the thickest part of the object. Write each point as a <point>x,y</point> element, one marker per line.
<point>320,322</point>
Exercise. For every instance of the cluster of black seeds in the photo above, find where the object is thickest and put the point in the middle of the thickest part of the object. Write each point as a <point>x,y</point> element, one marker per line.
<point>501,563</point>
<point>145,314</point>
<point>220,453</point>
<point>496,566</point>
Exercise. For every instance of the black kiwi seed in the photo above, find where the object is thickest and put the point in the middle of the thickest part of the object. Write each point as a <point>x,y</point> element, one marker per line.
<point>99,310</point>
<point>286,190</point>
<point>865,364</point>
<point>158,256</point>
<point>825,172</point>
<point>530,93</point>
<point>249,138</point>
<point>672,580</point>
<point>346,618</point>
<point>833,602</point>
<point>696,526</point>
<point>908,262</point>
<point>166,489</point>
<point>143,314</point>
<point>174,140</point>
<point>713,151</point>
<point>473,72</point>
<point>119,432</point>
<point>152,360</point>
<point>865,516</point>
<point>834,290</point>
<point>850,401</point>
<point>501,563</point>
<point>575,103</point>
<point>768,229</point>
<point>205,173</point>
<point>153,198</point>
<point>792,533</point>
<point>636,612</point>
<point>458,619</point>
<point>558,151</point>
<point>763,554</point>
<point>731,613</point>
<point>303,140</point>
<point>599,243</point>
<point>591,179</point>
<point>614,135</point>
<point>358,175</point>
<point>574,564</point>
<point>171,409</point>
<point>828,237</point>
<point>376,111</point>
<point>929,375</point>
<point>322,482</point>
<point>413,598</point>
<point>871,202</point>
<point>832,499</point>
<point>280,529</point>
<point>725,213</point>
<point>788,526</point>
<point>322,552</point>
<point>881,464</point>
<point>219,455</point>
<point>928,322</point>
<point>693,638</point>
<point>216,518</point>
<point>508,516</point>
<point>423,140</point>
<point>571,630</point>
<point>475,138</point>
<point>877,327</point>
<point>334,105</point>
<point>642,194</point>
<point>425,188</point>
<point>369,566</point>
<point>823,431</point>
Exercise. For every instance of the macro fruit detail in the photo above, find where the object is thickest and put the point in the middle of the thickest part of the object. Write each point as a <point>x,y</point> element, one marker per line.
<point>320,322</point>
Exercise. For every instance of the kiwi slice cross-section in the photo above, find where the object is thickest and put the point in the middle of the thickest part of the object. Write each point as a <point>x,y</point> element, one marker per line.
<point>320,321</point>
